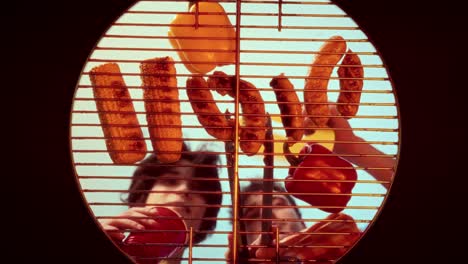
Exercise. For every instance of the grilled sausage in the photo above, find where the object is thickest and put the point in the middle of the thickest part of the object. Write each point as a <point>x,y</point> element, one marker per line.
<point>290,108</point>
<point>254,129</point>
<point>315,92</point>
<point>349,101</point>
<point>122,132</point>
<point>162,105</point>
<point>207,111</point>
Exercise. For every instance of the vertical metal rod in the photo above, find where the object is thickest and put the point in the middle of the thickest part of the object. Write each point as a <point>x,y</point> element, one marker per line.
<point>191,3</point>
<point>190,245</point>
<point>196,14</point>
<point>235,230</point>
<point>229,149</point>
<point>268,160</point>
<point>277,244</point>
<point>280,13</point>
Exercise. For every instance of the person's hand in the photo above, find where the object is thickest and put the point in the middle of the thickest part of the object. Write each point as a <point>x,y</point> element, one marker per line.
<point>325,246</point>
<point>343,130</point>
<point>134,218</point>
<point>343,134</point>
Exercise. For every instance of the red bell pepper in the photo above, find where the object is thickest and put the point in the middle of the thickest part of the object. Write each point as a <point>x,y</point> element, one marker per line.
<point>136,242</point>
<point>329,174</point>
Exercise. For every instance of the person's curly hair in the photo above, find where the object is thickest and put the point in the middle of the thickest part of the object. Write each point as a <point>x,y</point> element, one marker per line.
<point>139,187</point>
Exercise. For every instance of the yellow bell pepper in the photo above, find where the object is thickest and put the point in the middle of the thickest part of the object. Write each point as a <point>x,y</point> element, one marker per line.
<point>212,58</point>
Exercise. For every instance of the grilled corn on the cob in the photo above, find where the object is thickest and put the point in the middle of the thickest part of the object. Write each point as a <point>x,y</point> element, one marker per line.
<point>122,132</point>
<point>162,106</point>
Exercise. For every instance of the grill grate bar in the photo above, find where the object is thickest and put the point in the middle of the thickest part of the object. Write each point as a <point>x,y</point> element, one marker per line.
<point>84,86</point>
<point>226,38</point>
<point>244,63</point>
<point>221,114</point>
<point>250,2</point>
<point>226,179</point>
<point>243,14</point>
<point>304,52</point>
<point>230,101</point>
<point>188,126</point>
<point>228,26</point>
<point>249,76</point>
